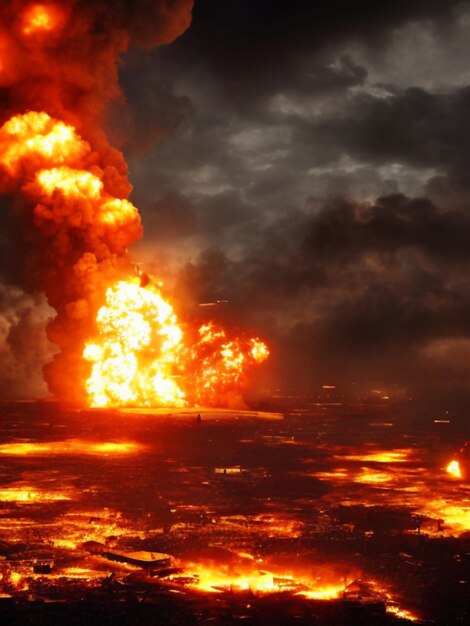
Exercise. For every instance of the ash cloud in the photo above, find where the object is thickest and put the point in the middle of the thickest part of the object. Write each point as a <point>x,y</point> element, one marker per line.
<point>349,288</point>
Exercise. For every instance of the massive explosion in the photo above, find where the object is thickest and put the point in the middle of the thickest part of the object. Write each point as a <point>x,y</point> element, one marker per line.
<point>120,342</point>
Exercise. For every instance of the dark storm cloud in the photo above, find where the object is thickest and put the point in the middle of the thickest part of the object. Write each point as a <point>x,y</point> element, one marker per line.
<point>417,127</point>
<point>253,47</point>
<point>345,230</point>
<point>220,216</point>
<point>351,291</point>
<point>151,113</point>
<point>290,141</point>
<point>312,249</point>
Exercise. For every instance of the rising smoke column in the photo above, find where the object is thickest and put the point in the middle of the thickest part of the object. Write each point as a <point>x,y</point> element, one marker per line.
<point>119,340</point>
<point>58,72</point>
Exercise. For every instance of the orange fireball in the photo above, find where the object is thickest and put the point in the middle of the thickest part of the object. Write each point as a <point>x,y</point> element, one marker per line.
<point>142,357</point>
<point>135,356</point>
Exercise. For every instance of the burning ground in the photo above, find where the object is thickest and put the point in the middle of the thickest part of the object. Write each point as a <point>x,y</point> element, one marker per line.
<point>320,516</point>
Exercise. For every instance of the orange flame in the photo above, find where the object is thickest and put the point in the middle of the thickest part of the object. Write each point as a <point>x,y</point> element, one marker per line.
<point>220,577</point>
<point>140,358</point>
<point>453,469</point>
<point>34,140</point>
<point>140,343</point>
<point>70,446</point>
<point>322,583</point>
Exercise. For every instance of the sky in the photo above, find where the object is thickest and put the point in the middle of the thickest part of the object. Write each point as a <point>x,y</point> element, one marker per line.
<point>308,163</point>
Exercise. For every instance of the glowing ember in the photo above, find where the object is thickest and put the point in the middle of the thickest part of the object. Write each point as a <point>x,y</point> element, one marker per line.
<point>69,446</point>
<point>402,613</point>
<point>79,573</point>
<point>31,495</point>
<point>270,525</point>
<point>389,456</point>
<point>391,603</point>
<point>75,528</point>
<point>368,476</point>
<point>453,469</point>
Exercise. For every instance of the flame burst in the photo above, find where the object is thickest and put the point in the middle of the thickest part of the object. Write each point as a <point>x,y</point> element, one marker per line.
<point>136,360</point>
<point>140,356</point>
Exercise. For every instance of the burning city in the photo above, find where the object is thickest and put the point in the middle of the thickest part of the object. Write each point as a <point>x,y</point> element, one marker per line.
<point>248,415</point>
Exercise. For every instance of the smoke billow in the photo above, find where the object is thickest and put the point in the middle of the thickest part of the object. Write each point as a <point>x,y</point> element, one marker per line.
<point>23,345</point>
<point>58,73</point>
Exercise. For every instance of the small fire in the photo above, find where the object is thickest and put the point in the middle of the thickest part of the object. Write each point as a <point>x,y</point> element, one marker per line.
<point>453,469</point>
<point>218,366</point>
<point>222,577</point>
<point>13,582</point>
<point>454,515</point>
<point>326,592</point>
<point>70,447</point>
<point>386,456</point>
<point>369,476</point>
<point>27,494</point>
